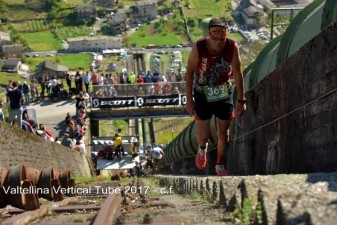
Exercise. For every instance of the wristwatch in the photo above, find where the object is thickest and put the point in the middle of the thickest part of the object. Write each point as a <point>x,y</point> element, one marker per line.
<point>242,101</point>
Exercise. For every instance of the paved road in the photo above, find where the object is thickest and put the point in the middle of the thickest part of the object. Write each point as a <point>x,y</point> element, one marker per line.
<point>52,114</point>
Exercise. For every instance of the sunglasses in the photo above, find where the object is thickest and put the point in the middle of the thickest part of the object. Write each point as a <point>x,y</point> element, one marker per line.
<point>218,31</point>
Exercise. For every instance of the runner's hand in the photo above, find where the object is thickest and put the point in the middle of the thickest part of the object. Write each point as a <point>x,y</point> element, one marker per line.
<point>190,107</point>
<point>240,109</point>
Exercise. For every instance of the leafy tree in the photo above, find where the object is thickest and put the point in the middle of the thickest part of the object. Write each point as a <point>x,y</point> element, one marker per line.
<point>126,40</point>
<point>3,11</point>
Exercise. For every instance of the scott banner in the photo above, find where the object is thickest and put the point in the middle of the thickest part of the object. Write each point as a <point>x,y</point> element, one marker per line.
<point>138,101</point>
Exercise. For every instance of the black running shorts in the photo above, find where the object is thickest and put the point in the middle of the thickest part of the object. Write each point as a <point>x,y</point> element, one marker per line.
<point>204,110</point>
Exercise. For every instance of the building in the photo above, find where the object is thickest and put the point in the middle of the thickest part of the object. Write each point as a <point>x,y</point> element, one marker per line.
<point>11,65</point>
<point>99,43</point>
<point>106,3</point>
<point>144,11</point>
<point>52,69</point>
<point>252,12</point>
<point>5,38</point>
<point>12,51</point>
<point>85,11</point>
<point>117,23</point>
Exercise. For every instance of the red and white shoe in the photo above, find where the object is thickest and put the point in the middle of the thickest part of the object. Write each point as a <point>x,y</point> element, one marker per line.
<point>220,170</point>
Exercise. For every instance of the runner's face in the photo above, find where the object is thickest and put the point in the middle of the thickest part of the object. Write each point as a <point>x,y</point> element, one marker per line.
<point>218,33</point>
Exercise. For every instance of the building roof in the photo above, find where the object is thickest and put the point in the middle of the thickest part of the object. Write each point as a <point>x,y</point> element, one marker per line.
<point>12,61</point>
<point>265,4</point>
<point>55,66</point>
<point>12,48</point>
<point>93,38</point>
<point>5,36</point>
<point>146,2</point>
<point>84,6</point>
<point>119,18</point>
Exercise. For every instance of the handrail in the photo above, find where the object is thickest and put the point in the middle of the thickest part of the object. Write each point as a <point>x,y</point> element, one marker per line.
<point>143,89</point>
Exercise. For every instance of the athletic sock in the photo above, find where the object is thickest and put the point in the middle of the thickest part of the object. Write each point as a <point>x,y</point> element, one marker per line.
<point>219,159</point>
<point>202,151</point>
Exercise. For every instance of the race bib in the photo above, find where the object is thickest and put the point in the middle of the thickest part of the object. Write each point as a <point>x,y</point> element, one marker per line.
<point>216,93</point>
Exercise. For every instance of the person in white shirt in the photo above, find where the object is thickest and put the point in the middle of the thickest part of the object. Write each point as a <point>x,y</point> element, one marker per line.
<point>80,147</point>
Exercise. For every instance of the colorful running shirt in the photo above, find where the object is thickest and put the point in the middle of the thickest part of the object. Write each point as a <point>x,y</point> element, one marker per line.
<point>213,69</point>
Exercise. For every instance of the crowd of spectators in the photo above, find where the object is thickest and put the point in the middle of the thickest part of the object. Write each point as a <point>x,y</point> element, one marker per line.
<point>18,116</point>
<point>109,85</point>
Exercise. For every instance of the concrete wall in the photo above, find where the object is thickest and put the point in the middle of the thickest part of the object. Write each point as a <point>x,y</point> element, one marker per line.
<point>291,122</point>
<point>18,146</point>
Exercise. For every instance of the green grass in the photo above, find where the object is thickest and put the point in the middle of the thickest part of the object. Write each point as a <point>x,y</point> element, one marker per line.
<point>161,32</point>
<point>4,77</point>
<point>24,14</point>
<point>200,10</point>
<point>74,61</point>
<point>72,31</point>
<point>107,128</point>
<point>144,36</point>
<point>42,41</point>
<point>15,2</point>
<point>236,36</point>
<point>208,8</point>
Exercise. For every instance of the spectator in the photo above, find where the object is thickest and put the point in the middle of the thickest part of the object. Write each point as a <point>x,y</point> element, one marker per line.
<point>57,140</point>
<point>68,79</point>
<point>118,145</point>
<point>157,154</point>
<point>156,76</point>
<point>27,126</point>
<point>115,79</point>
<point>140,91</point>
<point>86,81</point>
<point>167,88</point>
<point>112,92</point>
<point>148,77</point>
<point>2,115</point>
<point>68,119</point>
<point>33,90</point>
<point>78,82</point>
<point>25,115</point>
<point>142,74</point>
<point>42,82</point>
<point>94,79</point>
<point>86,98</point>
<point>176,90</point>
<point>122,78</point>
<point>139,79</point>
<point>26,92</point>
<point>80,104</point>
<point>15,107</point>
<point>132,78</point>
<point>47,84</point>
<point>80,147</point>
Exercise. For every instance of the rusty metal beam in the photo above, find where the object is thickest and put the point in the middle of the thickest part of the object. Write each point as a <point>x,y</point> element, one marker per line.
<point>109,211</point>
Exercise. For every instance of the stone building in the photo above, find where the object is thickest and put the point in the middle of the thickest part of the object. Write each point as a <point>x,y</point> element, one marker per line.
<point>12,51</point>
<point>85,11</point>
<point>52,69</point>
<point>106,3</point>
<point>99,43</point>
<point>117,23</point>
<point>144,11</point>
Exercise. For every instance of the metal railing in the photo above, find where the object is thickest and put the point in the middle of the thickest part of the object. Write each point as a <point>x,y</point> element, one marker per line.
<point>130,90</point>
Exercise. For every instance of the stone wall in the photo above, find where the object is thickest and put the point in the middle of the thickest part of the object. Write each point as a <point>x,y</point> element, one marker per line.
<point>291,122</point>
<point>279,199</point>
<point>18,146</point>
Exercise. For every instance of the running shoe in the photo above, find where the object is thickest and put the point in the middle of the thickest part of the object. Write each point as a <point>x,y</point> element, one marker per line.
<point>200,159</point>
<point>220,170</point>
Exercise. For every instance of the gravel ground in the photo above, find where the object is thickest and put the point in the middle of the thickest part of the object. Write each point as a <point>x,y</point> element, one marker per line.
<point>189,210</point>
